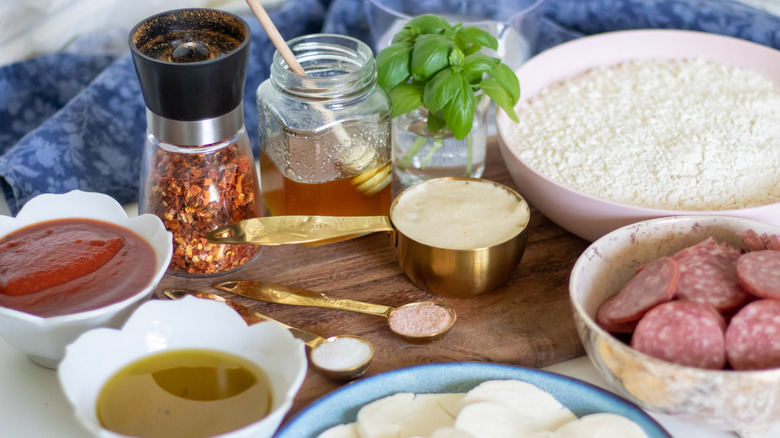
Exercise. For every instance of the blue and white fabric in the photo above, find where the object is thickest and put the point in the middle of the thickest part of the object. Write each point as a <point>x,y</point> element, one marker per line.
<point>75,120</point>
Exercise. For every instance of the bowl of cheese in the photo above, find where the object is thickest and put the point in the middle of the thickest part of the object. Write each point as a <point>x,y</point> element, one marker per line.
<point>631,125</point>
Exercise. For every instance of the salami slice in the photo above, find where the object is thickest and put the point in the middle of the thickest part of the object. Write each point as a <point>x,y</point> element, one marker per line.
<point>608,324</point>
<point>751,338</point>
<point>708,274</point>
<point>653,285</point>
<point>752,240</point>
<point>771,241</point>
<point>683,332</point>
<point>759,273</point>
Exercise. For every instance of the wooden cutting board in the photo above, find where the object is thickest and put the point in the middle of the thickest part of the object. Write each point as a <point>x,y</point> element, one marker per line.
<point>527,322</point>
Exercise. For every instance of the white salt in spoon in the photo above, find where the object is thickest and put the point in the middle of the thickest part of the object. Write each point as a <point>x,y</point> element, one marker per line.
<point>368,183</point>
<point>342,357</point>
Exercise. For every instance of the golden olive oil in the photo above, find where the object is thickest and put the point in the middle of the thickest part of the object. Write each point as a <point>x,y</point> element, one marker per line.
<point>185,393</point>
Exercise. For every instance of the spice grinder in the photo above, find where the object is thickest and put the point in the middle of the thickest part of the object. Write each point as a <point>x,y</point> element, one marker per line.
<point>198,167</point>
<point>191,64</point>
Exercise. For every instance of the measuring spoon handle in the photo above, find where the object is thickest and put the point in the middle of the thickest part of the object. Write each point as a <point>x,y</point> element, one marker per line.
<point>280,294</point>
<point>279,230</point>
<point>308,338</point>
<point>249,315</point>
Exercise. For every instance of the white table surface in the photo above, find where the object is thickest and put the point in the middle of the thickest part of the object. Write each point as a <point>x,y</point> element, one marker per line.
<point>32,403</point>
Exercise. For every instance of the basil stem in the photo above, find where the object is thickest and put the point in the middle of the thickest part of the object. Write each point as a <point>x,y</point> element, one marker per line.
<point>406,160</point>
<point>438,141</point>
<point>469,141</point>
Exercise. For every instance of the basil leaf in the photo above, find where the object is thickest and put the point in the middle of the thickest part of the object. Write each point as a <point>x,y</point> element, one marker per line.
<point>429,55</point>
<point>500,96</point>
<point>457,58</point>
<point>441,89</point>
<point>392,65</point>
<point>428,24</point>
<point>459,112</point>
<point>435,123</point>
<point>477,36</point>
<point>403,36</point>
<point>405,98</point>
<point>438,66</point>
<point>480,63</point>
<point>507,78</point>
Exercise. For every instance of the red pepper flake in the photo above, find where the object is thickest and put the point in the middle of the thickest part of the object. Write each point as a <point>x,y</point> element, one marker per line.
<point>194,193</point>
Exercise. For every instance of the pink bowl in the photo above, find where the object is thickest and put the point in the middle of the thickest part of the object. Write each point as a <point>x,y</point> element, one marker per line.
<point>587,216</point>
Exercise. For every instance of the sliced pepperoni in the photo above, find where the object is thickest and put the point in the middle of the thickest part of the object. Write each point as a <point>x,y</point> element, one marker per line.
<point>752,335</point>
<point>683,332</point>
<point>759,273</point>
<point>612,327</point>
<point>708,274</point>
<point>653,285</point>
<point>771,241</point>
<point>752,240</point>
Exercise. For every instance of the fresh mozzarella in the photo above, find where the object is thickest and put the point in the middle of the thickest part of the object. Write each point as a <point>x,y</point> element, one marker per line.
<point>451,432</point>
<point>488,419</point>
<point>348,430</point>
<point>407,415</point>
<point>603,425</point>
<point>533,405</point>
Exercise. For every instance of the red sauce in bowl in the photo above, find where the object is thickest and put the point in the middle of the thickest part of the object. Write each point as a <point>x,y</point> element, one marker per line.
<point>67,266</point>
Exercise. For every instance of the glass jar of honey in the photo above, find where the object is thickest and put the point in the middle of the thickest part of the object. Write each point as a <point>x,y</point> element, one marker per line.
<point>325,144</point>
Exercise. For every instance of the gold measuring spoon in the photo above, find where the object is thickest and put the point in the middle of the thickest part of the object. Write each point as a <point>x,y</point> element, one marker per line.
<point>322,354</point>
<point>420,322</point>
<point>281,230</point>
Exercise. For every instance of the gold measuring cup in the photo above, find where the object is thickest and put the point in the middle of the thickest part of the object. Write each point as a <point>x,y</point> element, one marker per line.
<point>431,322</point>
<point>310,339</point>
<point>453,273</point>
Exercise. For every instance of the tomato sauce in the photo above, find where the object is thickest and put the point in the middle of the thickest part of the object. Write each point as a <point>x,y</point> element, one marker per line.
<point>67,266</point>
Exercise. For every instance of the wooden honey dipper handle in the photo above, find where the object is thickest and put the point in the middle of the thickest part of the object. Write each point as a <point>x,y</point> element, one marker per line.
<point>275,36</point>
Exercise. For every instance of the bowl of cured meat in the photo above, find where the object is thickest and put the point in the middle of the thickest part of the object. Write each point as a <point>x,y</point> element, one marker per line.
<point>621,127</point>
<point>681,315</point>
<point>73,262</point>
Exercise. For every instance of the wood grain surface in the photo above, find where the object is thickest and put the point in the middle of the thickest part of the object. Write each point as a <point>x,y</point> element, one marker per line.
<point>526,322</point>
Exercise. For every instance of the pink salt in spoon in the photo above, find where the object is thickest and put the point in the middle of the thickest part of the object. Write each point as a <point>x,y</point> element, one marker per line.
<point>420,322</point>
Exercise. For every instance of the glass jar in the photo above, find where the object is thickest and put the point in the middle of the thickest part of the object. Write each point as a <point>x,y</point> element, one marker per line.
<point>420,155</point>
<point>198,172</point>
<point>195,189</point>
<point>325,137</point>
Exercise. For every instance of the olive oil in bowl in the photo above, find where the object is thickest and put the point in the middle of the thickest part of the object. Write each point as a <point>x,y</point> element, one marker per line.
<point>184,393</point>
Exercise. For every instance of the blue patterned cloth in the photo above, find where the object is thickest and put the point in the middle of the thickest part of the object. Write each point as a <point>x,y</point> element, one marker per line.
<point>76,121</point>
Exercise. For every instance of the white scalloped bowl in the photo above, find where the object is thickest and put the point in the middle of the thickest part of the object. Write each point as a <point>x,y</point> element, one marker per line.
<point>587,216</point>
<point>744,401</point>
<point>43,340</point>
<point>185,324</point>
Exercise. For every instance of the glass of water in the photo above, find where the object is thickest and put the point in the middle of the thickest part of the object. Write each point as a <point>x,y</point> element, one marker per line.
<point>419,155</point>
<point>514,23</point>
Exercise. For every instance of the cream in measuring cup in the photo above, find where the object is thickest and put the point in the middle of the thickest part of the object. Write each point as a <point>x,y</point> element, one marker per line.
<point>455,237</point>
<point>459,214</point>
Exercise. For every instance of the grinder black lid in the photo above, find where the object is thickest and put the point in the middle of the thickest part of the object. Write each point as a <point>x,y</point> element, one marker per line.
<point>191,63</point>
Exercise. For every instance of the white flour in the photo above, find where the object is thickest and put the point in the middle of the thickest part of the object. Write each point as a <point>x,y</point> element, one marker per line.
<point>676,134</point>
